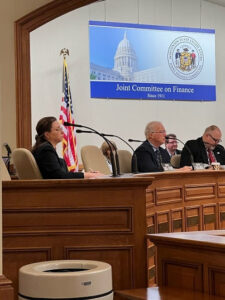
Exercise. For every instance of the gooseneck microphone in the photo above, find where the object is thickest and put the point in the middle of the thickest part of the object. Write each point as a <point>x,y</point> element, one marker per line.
<point>185,146</point>
<point>138,141</point>
<point>134,157</point>
<point>114,173</point>
<point>9,151</point>
<point>113,146</point>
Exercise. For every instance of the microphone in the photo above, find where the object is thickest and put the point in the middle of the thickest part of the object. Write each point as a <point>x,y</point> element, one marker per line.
<point>134,157</point>
<point>84,131</point>
<point>75,125</point>
<point>9,151</point>
<point>114,148</point>
<point>138,141</point>
<point>114,173</point>
<point>185,146</point>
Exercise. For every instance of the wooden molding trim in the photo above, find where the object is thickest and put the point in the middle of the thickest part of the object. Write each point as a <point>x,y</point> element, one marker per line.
<point>23,27</point>
<point>6,289</point>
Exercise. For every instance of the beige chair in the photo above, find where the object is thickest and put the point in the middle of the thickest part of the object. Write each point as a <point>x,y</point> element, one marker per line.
<point>125,158</point>
<point>4,172</point>
<point>175,160</point>
<point>93,159</point>
<point>25,164</point>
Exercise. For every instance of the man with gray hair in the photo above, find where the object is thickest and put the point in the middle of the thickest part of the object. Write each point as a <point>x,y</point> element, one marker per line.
<point>205,149</point>
<point>150,156</point>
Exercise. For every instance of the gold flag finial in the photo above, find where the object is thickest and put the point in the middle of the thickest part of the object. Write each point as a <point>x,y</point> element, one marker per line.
<point>64,52</point>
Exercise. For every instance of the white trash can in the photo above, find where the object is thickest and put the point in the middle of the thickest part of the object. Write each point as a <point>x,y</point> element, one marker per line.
<point>66,279</point>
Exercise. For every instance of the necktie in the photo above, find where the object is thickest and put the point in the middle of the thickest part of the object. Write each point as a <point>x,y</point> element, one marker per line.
<point>211,156</point>
<point>158,158</point>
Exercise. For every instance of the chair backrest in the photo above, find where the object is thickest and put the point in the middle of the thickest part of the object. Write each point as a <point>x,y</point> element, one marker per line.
<point>93,158</point>
<point>125,158</point>
<point>4,172</point>
<point>25,164</point>
<point>175,160</point>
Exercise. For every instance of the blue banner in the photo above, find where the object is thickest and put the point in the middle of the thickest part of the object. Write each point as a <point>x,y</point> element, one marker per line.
<point>136,61</point>
<point>122,90</point>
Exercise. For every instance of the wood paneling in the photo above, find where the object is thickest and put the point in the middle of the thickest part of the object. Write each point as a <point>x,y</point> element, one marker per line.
<point>192,260</point>
<point>210,217</point>
<point>177,220</point>
<point>163,221</point>
<point>185,202</point>
<point>6,289</point>
<point>116,256</point>
<point>217,281</point>
<point>163,293</point>
<point>77,219</point>
<point>200,191</point>
<point>182,275</point>
<point>168,195</point>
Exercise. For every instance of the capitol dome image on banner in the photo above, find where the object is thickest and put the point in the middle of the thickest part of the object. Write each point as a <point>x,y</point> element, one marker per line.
<point>136,61</point>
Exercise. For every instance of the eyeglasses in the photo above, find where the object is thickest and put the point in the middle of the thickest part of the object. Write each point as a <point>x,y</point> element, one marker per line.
<point>215,140</point>
<point>160,131</point>
<point>174,142</point>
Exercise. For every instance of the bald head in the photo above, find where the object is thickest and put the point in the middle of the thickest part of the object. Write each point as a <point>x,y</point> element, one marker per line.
<point>155,133</point>
<point>212,136</point>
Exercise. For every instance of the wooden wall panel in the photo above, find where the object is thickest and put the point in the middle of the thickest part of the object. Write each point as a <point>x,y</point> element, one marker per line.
<point>177,220</point>
<point>102,219</point>
<point>120,258</point>
<point>210,217</point>
<point>150,198</point>
<point>221,190</point>
<point>75,219</point>
<point>14,258</point>
<point>221,215</point>
<point>168,195</point>
<point>216,281</point>
<point>151,223</point>
<point>193,218</point>
<point>192,260</point>
<point>163,221</point>
<point>183,275</point>
<point>200,191</point>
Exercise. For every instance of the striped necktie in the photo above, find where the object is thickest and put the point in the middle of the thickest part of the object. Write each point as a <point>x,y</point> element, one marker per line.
<point>158,158</point>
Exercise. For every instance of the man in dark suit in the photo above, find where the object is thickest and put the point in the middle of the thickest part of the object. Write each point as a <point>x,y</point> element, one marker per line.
<point>150,155</point>
<point>171,144</point>
<point>205,149</point>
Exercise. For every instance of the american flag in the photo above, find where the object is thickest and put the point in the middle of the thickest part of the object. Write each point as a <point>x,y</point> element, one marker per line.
<point>66,115</point>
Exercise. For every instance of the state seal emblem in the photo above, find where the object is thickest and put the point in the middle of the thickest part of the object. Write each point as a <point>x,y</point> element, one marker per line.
<point>185,57</point>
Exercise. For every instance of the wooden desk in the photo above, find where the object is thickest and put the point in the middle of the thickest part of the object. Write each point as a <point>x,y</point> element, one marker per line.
<point>163,293</point>
<point>96,219</point>
<point>178,201</point>
<point>192,260</point>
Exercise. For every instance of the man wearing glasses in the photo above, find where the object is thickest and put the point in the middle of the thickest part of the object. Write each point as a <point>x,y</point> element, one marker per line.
<point>171,144</point>
<point>205,149</point>
<point>150,156</point>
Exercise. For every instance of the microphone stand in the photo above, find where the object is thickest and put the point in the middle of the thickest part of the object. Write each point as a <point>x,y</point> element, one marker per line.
<point>114,173</point>
<point>134,157</point>
<point>114,148</point>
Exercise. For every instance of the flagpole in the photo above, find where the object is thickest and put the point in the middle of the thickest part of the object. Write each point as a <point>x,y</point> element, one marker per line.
<point>66,115</point>
<point>64,52</point>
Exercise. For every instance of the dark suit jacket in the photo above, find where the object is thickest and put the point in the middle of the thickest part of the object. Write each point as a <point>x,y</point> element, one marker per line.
<point>50,165</point>
<point>146,158</point>
<point>176,152</point>
<point>199,153</point>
